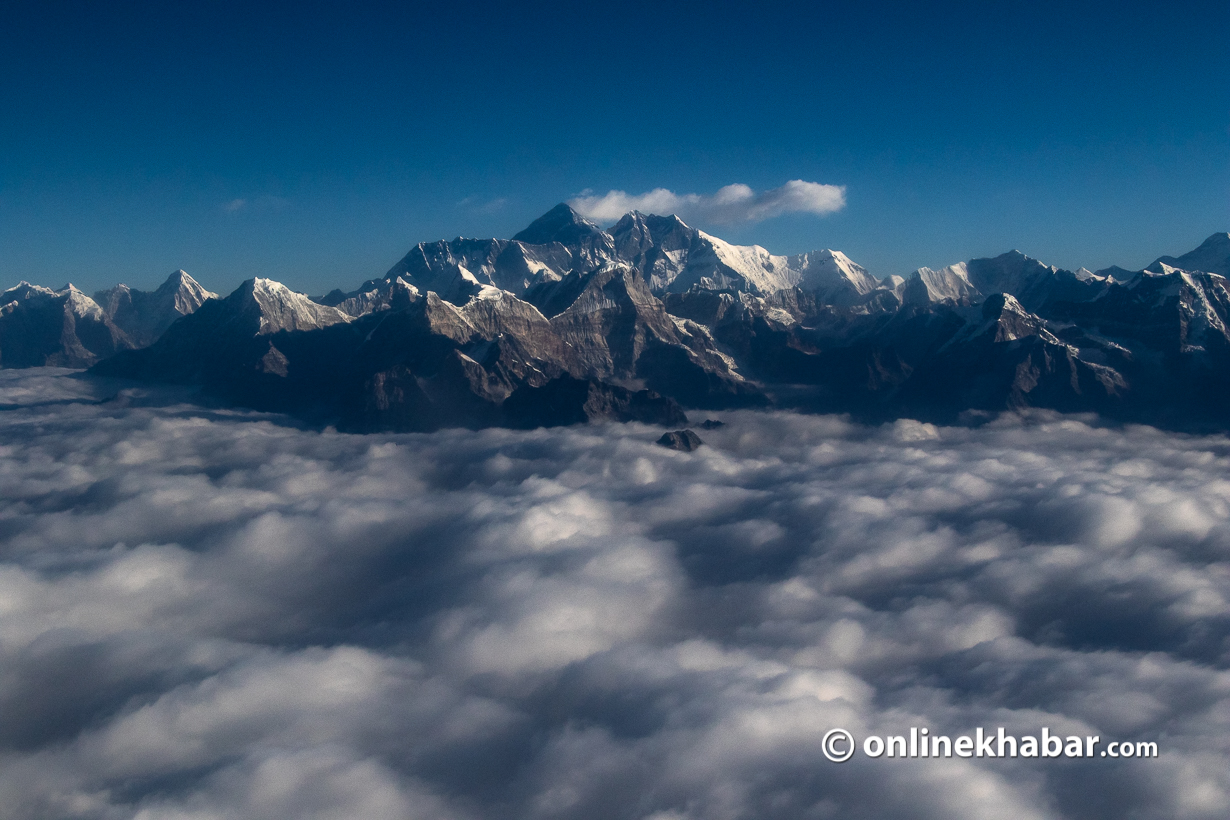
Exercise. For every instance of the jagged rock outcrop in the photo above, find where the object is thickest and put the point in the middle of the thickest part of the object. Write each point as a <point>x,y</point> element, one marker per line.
<point>685,441</point>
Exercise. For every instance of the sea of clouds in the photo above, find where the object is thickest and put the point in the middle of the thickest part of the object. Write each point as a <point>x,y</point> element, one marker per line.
<point>216,614</point>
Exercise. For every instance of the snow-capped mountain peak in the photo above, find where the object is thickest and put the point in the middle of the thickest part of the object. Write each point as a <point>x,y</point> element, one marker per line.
<point>184,293</point>
<point>145,315</point>
<point>560,224</point>
<point>834,277</point>
<point>950,285</point>
<point>715,263</point>
<point>63,328</point>
<point>24,290</point>
<point>80,304</point>
<point>280,308</point>
<point>1212,256</point>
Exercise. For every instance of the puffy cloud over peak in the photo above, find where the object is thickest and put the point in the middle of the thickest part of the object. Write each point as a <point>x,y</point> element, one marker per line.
<point>731,204</point>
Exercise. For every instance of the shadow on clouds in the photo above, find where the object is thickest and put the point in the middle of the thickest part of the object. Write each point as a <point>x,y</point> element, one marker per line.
<point>212,614</point>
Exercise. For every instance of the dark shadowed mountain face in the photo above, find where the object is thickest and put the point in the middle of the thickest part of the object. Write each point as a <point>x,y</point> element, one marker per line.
<point>433,364</point>
<point>563,225</point>
<point>1213,256</point>
<point>64,328</point>
<point>566,322</point>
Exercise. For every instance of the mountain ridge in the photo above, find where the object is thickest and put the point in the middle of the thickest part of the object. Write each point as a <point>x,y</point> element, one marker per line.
<point>573,315</point>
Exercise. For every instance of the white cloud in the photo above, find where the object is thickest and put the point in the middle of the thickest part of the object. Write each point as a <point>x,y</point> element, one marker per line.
<point>733,203</point>
<point>260,204</point>
<point>207,613</point>
<point>483,206</point>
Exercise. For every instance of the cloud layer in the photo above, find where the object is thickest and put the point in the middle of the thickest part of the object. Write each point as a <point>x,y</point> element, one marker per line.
<point>215,614</point>
<point>731,204</point>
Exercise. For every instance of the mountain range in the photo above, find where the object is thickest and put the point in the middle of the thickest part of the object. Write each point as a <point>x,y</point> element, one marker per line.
<point>66,328</point>
<point>567,322</point>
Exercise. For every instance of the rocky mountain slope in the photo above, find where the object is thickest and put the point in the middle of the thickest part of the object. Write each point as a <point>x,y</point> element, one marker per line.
<point>567,322</point>
<point>604,348</point>
<point>144,316</point>
<point>65,328</point>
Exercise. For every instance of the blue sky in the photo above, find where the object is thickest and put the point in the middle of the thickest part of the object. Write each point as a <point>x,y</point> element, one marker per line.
<point>315,143</point>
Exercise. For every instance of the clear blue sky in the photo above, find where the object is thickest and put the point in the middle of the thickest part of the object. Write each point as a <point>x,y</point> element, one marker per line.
<point>315,143</point>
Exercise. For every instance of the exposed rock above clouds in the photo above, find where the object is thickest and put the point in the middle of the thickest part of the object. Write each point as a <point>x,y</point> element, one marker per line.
<point>63,328</point>
<point>435,364</point>
<point>675,258</point>
<point>269,307</point>
<point>685,441</point>
<point>1213,256</point>
<point>144,316</point>
<point>66,328</point>
<point>569,316</point>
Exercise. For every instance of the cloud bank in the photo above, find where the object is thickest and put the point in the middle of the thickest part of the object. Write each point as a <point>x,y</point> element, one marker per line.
<point>215,614</point>
<point>731,204</point>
